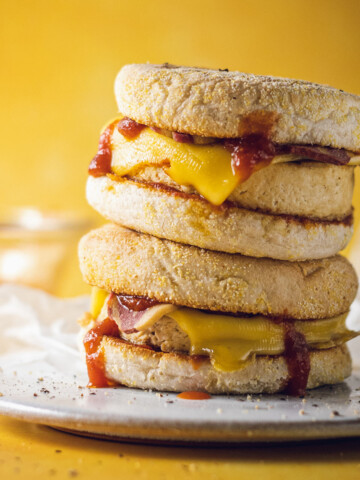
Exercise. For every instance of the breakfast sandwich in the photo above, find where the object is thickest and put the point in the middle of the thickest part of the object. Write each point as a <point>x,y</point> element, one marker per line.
<point>230,197</point>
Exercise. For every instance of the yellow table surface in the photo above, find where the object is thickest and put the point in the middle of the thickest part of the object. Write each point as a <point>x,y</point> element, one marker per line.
<point>29,451</point>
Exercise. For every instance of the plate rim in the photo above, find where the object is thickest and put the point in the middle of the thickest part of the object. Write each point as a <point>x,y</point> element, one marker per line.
<point>185,431</point>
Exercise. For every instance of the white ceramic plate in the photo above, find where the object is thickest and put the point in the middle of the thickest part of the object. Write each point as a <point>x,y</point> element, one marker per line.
<point>43,380</point>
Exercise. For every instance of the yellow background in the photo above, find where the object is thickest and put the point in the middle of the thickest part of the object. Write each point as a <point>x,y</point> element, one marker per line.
<point>58,61</point>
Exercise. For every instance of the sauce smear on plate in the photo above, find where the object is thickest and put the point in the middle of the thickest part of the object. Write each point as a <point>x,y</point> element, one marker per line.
<point>194,396</point>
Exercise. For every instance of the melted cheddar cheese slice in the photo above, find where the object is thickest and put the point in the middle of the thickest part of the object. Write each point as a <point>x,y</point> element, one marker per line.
<point>205,167</point>
<point>231,341</point>
<point>97,300</point>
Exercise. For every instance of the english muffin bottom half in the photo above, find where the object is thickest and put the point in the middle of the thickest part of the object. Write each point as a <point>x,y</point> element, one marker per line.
<point>174,317</point>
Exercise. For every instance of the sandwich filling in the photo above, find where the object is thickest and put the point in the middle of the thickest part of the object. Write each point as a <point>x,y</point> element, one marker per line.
<point>229,341</point>
<point>214,167</point>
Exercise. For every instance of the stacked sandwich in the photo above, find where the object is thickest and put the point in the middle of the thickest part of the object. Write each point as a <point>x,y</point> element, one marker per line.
<point>229,196</point>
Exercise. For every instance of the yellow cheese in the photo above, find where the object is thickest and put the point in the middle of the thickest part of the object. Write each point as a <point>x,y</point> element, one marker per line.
<point>205,167</point>
<point>231,341</point>
<point>98,297</point>
<point>355,160</point>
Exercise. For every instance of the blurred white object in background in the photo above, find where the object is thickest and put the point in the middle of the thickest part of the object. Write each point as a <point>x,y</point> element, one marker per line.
<point>35,245</point>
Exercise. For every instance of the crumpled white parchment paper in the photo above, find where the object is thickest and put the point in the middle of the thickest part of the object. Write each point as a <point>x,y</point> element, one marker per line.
<point>40,330</point>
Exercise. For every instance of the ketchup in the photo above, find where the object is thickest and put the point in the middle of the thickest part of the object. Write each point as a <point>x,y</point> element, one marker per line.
<point>194,396</point>
<point>129,128</point>
<point>136,303</point>
<point>298,360</point>
<point>197,360</point>
<point>249,154</point>
<point>100,165</point>
<point>95,356</point>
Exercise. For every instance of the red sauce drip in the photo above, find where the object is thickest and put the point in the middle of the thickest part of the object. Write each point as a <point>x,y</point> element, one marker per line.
<point>194,396</point>
<point>100,165</point>
<point>136,303</point>
<point>249,154</point>
<point>197,361</point>
<point>297,359</point>
<point>94,354</point>
<point>129,128</point>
